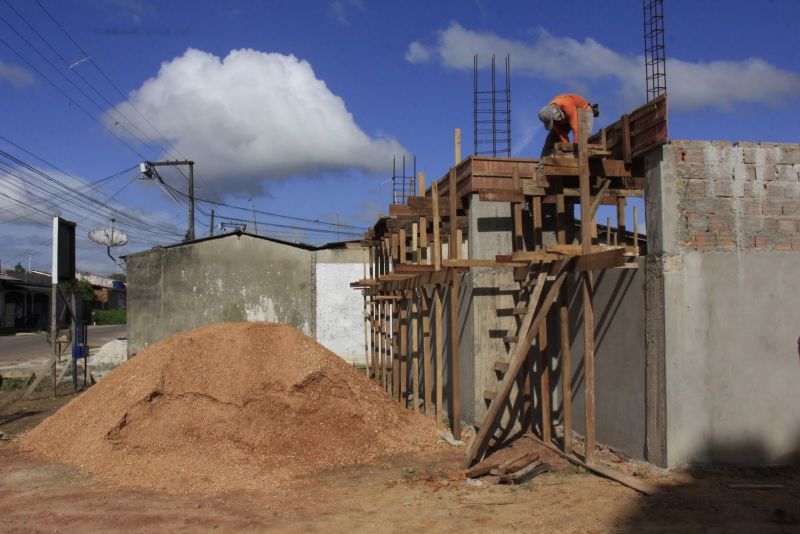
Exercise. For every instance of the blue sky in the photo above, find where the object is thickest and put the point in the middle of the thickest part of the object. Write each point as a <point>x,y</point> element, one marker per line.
<point>297,107</point>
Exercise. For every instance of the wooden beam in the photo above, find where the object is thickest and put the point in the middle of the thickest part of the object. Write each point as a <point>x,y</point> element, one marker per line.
<point>516,208</point>
<point>457,148</point>
<point>588,310</point>
<point>483,263</point>
<point>404,351</point>
<point>427,364</point>
<point>607,259</point>
<point>452,201</point>
<point>566,367</point>
<point>438,326</point>
<point>455,366</point>
<point>519,355</point>
<point>612,474</point>
<point>415,352</point>
<point>597,199</point>
<point>437,244</point>
<point>396,348</point>
<point>621,226</point>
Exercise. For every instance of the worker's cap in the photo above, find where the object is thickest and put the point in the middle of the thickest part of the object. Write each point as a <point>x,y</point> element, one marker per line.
<point>550,114</point>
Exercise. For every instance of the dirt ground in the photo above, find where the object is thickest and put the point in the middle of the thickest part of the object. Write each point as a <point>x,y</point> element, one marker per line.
<point>400,493</point>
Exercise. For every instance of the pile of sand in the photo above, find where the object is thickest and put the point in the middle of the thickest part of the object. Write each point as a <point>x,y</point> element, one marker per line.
<point>228,407</point>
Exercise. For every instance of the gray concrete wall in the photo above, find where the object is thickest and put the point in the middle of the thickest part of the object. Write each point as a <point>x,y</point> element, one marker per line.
<point>619,312</point>
<point>230,279</point>
<point>722,220</point>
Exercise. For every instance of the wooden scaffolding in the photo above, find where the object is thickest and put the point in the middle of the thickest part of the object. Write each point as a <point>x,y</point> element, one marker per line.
<point>414,262</point>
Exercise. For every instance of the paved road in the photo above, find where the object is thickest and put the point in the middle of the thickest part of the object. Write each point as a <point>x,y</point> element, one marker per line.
<point>28,347</point>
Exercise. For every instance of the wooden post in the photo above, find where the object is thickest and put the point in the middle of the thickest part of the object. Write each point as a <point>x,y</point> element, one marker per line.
<point>516,207</point>
<point>457,146</point>
<point>415,351</point>
<point>396,348</point>
<point>621,229</point>
<point>563,316</point>
<point>422,257</point>
<point>544,356</point>
<point>588,310</point>
<point>402,240</point>
<point>452,197</point>
<point>385,345</point>
<point>455,367</point>
<point>381,347</point>
<point>437,244</point>
<point>374,338</point>
<point>608,231</point>
<point>426,352</point>
<point>566,368</point>
<point>439,326</point>
<point>404,350</point>
<point>635,230</point>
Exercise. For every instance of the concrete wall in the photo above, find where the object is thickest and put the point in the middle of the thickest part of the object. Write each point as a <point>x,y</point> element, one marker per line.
<point>619,312</point>
<point>722,220</point>
<point>339,308</point>
<point>230,279</point>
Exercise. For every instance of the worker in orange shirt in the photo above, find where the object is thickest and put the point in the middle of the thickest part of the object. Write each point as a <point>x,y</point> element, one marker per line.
<point>560,117</point>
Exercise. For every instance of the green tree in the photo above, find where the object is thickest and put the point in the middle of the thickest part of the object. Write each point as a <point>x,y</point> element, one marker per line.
<point>19,268</point>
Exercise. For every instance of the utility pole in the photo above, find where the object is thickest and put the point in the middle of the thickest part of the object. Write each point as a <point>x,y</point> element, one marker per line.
<point>148,168</point>
<point>211,225</point>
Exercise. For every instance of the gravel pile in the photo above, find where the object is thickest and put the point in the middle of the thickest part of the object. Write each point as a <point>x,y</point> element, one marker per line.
<point>228,407</point>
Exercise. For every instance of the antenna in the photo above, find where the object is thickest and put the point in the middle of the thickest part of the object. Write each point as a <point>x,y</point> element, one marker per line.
<point>655,58</point>
<point>109,237</point>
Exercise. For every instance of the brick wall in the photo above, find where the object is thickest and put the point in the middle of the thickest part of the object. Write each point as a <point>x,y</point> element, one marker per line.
<point>741,196</point>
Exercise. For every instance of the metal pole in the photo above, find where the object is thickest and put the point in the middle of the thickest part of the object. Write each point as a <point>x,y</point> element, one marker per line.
<point>190,235</point>
<point>211,224</point>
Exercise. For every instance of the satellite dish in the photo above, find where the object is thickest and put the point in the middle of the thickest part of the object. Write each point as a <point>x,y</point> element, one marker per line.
<point>108,237</point>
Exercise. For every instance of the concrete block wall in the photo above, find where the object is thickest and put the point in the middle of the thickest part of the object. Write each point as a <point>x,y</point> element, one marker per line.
<point>722,330</point>
<point>743,196</point>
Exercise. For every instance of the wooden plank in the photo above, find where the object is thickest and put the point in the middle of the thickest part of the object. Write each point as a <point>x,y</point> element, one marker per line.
<point>626,139</point>
<point>402,240</point>
<point>414,242</point>
<point>396,349</point>
<point>403,367</point>
<point>530,326</point>
<point>621,226</point>
<point>516,208</point>
<point>415,352</point>
<point>438,325</point>
<point>457,147</point>
<point>566,367</point>
<point>455,366</point>
<point>489,394</point>
<point>612,474</point>
<point>501,196</point>
<point>437,244</point>
<point>452,200</point>
<point>597,198</point>
<point>500,366</point>
<point>588,311</point>
<point>407,268</point>
<point>427,364</point>
<point>544,380</point>
<point>483,263</point>
<point>385,343</point>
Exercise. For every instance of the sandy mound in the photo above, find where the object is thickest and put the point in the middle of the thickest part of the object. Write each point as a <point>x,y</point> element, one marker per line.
<point>228,407</point>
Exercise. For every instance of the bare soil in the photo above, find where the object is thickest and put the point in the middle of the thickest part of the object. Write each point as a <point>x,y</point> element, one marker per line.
<point>399,492</point>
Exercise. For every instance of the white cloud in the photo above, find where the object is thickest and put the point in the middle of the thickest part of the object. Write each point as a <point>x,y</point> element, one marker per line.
<point>255,116</point>
<point>417,53</point>
<point>690,85</point>
<point>340,10</point>
<point>16,76</point>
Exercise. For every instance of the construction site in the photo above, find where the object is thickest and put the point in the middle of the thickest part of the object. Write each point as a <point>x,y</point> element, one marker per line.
<point>491,355</point>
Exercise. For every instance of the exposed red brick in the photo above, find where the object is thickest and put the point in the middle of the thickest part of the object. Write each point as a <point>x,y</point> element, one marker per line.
<point>787,226</point>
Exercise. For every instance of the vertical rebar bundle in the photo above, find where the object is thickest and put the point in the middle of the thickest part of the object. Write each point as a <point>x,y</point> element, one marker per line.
<point>655,59</point>
<point>403,186</point>
<point>491,113</point>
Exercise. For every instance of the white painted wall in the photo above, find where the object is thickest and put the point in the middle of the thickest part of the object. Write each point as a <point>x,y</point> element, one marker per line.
<point>340,310</point>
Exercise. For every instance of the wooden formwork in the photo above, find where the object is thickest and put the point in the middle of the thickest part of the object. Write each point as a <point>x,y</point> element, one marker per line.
<point>416,262</point>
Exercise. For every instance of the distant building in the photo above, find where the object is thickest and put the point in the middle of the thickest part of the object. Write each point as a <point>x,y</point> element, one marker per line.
<point>24,301</point>
<point>244,277</point>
